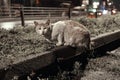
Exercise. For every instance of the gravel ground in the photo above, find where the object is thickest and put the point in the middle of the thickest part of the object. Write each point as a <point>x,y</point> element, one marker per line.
<point>104,68</point>
<point>102,24</point>
<point>20,41</point>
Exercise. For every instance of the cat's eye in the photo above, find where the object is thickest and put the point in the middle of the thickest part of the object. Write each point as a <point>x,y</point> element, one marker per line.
<point>39,28</point>
<point>44,28</point>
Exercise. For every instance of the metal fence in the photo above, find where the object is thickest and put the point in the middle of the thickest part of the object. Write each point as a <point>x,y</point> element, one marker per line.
<point>14,12</point>
<point>29,12</point>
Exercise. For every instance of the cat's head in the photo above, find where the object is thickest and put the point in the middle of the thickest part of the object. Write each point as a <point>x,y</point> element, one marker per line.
<point>43,29</point>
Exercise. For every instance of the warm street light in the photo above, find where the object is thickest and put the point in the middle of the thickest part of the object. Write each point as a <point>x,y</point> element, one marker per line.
<point>37,2</point>
<point>95,4</point>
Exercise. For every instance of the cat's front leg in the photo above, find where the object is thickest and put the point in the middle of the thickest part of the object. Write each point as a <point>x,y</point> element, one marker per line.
<point>60,40</point>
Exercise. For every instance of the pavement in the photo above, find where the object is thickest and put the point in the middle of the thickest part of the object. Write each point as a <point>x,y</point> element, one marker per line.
<point>9,23</point>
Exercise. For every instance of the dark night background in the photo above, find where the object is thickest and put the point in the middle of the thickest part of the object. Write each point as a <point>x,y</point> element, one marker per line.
<point>56,3</point>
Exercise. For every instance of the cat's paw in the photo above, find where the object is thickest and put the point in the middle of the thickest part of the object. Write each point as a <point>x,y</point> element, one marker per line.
<point>65,44</point>
<point>69,44</point>
<point>59,44</point>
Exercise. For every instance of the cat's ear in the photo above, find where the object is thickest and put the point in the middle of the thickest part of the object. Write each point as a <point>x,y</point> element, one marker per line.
<point>48,22</point>
<point>36,23</point>
<point>51,25</point>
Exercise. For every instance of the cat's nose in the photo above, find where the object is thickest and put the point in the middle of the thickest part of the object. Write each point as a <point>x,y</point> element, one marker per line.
<point>43,33</point>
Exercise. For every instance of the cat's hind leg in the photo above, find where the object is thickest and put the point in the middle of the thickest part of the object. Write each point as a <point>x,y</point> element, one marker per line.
<point>60,40</point>
<point>70,41</point>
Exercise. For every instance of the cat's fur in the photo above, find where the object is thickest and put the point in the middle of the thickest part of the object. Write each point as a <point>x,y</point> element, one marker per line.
<point>67,32</point>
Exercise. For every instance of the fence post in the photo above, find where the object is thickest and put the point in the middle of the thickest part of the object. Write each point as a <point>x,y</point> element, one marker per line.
<point>69,12</point>
<point>22,16</point>
<point>96,14</point>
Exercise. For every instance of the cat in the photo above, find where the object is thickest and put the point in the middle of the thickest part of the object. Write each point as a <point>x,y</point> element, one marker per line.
<point>66,32</point>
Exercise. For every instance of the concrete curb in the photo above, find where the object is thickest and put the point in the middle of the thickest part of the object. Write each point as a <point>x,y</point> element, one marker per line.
<point>104,39</point>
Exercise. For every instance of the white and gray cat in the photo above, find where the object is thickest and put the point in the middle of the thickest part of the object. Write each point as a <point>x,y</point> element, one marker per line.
<point>66,32</point>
